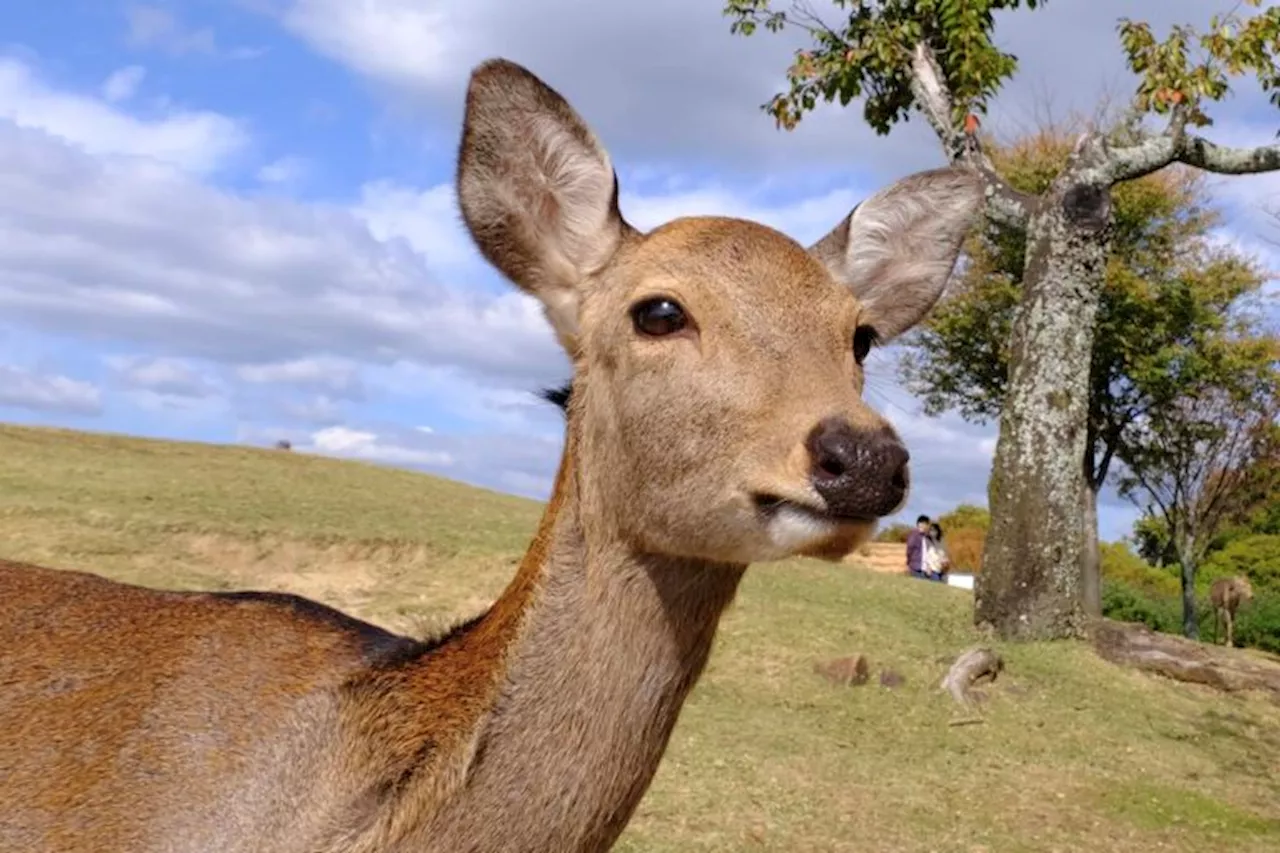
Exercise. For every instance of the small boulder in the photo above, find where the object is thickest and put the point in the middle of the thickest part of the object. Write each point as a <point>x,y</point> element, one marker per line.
<point>848,671</point>
<point>891,679</point>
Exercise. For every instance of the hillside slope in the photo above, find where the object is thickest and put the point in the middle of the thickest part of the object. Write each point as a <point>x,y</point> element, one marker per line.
<point>1073,754</point>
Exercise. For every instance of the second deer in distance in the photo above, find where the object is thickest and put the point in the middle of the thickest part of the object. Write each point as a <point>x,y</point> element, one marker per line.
<point>1226,595</point>
<point>715,420</point>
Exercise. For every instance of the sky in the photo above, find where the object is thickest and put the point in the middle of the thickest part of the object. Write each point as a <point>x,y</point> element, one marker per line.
<point>233,220</point>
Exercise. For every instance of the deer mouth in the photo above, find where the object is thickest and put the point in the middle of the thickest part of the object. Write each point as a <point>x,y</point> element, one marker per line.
<point>772,506</point>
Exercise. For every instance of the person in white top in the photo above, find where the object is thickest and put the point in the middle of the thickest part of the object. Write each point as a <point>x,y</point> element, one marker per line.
<point>937,562</point>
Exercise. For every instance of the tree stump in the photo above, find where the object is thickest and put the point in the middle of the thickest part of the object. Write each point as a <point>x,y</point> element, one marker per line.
<point>973,665</point>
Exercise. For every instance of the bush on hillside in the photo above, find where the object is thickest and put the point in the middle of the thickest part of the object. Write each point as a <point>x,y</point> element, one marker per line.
<point>1127,603</point>
<point>1258,623</point>
<point>1123,565</point>
<point>1257,557</point>
<point>965,516</point>
<point>894,533</point>
<point>964,544</point>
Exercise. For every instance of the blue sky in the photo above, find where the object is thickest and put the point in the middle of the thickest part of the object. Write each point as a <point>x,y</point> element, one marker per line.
<point>233,221</point>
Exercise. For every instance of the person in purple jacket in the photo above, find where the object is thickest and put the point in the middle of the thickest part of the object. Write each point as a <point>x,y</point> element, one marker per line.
<point>915,547</point>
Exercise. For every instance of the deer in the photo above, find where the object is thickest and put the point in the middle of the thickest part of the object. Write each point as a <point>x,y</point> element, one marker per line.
<point>1226,595</point>
<point>716,420</point>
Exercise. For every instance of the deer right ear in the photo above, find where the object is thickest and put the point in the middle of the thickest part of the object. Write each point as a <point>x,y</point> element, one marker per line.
<point>537,190</point>
<point>896,250</point>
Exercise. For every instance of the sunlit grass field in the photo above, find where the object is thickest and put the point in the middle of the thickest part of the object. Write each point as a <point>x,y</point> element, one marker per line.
<point>1073,754</point>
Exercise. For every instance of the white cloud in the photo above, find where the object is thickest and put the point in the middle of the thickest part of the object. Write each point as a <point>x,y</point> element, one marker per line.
<point>321,410</point>
<point>332,375</point>
<point>428,219</point>
<point>124,83</point>
<point>158,260</point>
<point>168,376</point>
<point>156,27</point>
<point>286,170</point>
<point>509,461</point>
<point>359,444</point>
<point>153,26</point>
<point>805,219</point>
<point>404,42</point>
<point>195,141</point>
<point>47,392</point>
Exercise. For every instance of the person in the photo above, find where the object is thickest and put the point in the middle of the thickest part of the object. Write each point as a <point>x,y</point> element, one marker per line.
<point>935,560</point>
<point>915,547</point>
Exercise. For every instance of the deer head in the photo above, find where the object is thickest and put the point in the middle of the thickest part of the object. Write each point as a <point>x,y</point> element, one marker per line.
<point>716,411</point>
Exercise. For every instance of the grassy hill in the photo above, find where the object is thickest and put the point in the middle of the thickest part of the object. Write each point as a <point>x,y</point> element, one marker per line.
<point>1075,754</point>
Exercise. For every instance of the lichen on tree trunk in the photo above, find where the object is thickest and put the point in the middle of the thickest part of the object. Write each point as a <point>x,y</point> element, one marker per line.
<point>1037,552</point>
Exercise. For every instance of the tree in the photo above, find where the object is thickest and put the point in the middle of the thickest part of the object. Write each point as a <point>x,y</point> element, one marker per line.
<point>1196,462</point>
<point>1255,512</point>
<point>1151,541</point>
<point>1164,276</point>
<point>937,57</point>
<point>966,516</point>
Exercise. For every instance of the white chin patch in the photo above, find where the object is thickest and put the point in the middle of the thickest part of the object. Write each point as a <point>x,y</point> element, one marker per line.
<point>791,529</point>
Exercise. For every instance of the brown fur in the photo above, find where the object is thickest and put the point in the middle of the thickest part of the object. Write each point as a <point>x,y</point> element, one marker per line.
<point>142,720</point>
<point>1226,595</point>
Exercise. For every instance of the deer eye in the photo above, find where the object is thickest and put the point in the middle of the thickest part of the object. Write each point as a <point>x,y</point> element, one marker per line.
<point>658,317</point>
<point>864,338</point>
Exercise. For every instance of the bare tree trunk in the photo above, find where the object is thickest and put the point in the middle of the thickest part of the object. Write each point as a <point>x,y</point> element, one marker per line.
<point>1037,552</point>
<point>1091,577</point>
<point>1187,566</point>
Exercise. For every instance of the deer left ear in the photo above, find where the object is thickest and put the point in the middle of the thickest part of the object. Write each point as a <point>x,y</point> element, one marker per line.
<point>896,249</point>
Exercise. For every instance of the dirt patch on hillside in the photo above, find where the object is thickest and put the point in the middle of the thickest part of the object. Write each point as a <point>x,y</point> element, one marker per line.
<point>402,586</point>
<point>888,557</point>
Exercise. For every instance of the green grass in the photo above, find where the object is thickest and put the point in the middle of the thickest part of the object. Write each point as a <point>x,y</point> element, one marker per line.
<point>1074,754</point>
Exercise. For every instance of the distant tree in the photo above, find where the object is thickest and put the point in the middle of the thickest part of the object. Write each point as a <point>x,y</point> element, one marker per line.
<point>966,516</point>
<point>938,57</point>
<point>1151,541</point>
<point>1256,556</point>
<point>894,532</point>
<point>1256,512</point>
<point>964,529</point>
<point>1195,461</point>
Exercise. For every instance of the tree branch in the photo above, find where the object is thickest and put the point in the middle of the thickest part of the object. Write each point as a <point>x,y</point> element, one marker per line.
<point>1176,146</point>
<point>1005,205</point>
<point>1100,471</point>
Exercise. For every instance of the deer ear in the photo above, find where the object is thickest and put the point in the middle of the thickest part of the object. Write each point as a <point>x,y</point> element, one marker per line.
<point>537,190</point>
<point>896,249</point>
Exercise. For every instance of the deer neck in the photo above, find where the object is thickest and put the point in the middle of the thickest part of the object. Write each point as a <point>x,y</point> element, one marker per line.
<point>584,663</point>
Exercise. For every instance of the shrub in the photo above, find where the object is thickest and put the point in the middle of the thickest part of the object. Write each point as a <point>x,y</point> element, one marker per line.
<point>964,544</point>
<point>1127,603</point>
<point>894,533</point>
<point>965,516</point>
<point>1122,565</point>
<point>1257,557</point>
<point>1258,623</point>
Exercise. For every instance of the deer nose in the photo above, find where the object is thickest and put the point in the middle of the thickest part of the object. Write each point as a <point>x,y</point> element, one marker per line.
<point>859,473</point>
